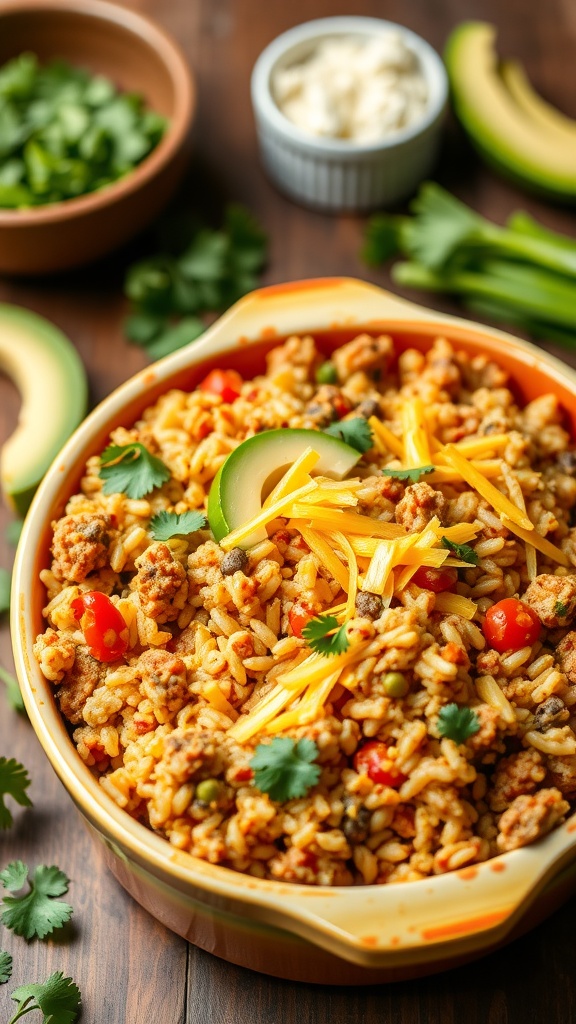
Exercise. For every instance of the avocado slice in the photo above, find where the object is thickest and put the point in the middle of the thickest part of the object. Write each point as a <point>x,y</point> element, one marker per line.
<point>254,467</point>
<point>51,379</point>
<point>543,114</point>
<point>506,136</point>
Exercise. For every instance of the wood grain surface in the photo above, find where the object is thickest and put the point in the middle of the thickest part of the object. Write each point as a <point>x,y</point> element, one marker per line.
<point>129,968</point>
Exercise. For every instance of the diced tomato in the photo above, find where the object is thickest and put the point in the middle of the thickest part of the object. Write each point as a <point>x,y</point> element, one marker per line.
<point>372,760</point>
<point>298,616</point>
<point>341,405</point>
<point>225,383</point>
<point>104,628</point>
<point>435,580</point>
<point>243,774</point>
<point>511,624</point>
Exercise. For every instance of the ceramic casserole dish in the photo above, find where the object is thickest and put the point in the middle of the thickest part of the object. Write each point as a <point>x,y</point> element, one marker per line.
<point>342,935</point>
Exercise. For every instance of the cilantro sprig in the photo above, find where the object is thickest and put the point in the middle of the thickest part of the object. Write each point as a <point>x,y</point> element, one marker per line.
<point>458,723</point>
<point>319,632</point>
<point>13,694</point>
<point>197,272</point>
<point>37,913</point>
<point>284,768</point>
<point>413,474</point>
<point>355,432</point>
<point>172,524</point>
<point>58,999</point>
<point>14,782</point>
<point>5,966</point>
<point>132,470</point>
<point>463,551</point>
<point>5,582</point>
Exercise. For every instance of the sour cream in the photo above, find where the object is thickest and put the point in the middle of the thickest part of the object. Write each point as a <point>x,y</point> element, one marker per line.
<point>361,89</point>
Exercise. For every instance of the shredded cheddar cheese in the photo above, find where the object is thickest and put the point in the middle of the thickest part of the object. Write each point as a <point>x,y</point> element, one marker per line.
<point>499,502</point>
<point>296,476</point>
<point>415,436</point>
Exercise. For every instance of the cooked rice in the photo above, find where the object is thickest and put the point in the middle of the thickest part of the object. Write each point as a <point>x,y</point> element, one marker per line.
<point>153,730</point>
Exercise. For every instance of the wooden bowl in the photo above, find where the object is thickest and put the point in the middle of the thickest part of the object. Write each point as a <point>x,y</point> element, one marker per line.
<point>138,56</point>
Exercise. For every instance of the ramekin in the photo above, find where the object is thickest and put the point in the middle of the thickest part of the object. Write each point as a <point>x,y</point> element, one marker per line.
<point>337,174</point>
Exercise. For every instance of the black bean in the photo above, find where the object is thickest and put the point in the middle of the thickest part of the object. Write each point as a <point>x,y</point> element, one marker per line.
<point>369,407</point>
<point>550,713</point>
<point>356,826</point>
<point>566,462</point>
<point>235,560</point>
<point>368,606</point>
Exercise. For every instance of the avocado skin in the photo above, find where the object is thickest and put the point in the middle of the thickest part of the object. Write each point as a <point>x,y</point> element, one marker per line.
<point>513,164</point>
<point>29,344</point>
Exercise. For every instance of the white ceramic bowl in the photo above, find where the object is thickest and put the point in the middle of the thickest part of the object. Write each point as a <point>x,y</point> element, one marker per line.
<point>349,934</point>
<point>338,174</point>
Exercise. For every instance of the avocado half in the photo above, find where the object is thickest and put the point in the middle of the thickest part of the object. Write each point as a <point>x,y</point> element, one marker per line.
<point>237,490</point>
<point>508,135</point>
<point>46,369</point>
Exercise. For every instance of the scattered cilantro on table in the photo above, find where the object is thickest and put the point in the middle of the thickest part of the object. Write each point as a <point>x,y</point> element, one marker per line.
<point>463,551</point>
<point>5,583</point>
<point>319,632</point>
<point>355,432</point>
<point>172,524</point>
<point>284,768</point>
<point>13,694</point>
<point>413,474</point>
<point>207,273</point>
<point>132,470</point>
<point>58,999</point>
<point>5,966</point>
<point>37,913</point>
<point>458,723</point>
<point>65,132</point>
<point>14,782</point>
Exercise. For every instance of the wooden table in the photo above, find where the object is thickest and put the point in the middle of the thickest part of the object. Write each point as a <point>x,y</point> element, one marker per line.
<point>129,968</point>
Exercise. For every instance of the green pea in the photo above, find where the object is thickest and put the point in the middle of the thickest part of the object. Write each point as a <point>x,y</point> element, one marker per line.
<point>208,791</point>
<point>395,684</point>
<point>327,373</point>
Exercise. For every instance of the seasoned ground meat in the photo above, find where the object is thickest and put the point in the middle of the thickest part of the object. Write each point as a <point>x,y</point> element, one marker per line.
<point>188,753</point>
<point>163,679</point>
<point>78,684</point>
<point>419,505</point>
<point>80,545</point>
<point>234,561</point>
<point>562,774</point>
<point>363,353</point>
<point>550,713</point>
<point>566,655</point>
<point>516,775</point>
<point>553,598</point>
<point>530,817</point>
<point>161,583</point>
<point>369,407</point>
<point>368,606</point>
<point>327,404</point>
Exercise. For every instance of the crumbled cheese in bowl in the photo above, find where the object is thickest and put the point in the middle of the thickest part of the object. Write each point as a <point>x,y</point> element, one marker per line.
<point>357,88</point>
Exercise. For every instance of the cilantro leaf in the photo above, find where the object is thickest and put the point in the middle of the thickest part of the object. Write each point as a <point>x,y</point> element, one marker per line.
<point>409,474</point>
<point>13,694</point>
<point>463,551</point>
<point>5,582</point>
<point>38,912</point>
<point>283,768</point>
<point>381,239</point>
<point>560,609</point>
<point>457,723</point>
<point>131,469</point>
<point>13,531</point>
<point>5,966</point>
<point>171,524</point>
<point>355,432</point>
<point>58,999</point>
<point>321,638</point>
<point>13,781</point>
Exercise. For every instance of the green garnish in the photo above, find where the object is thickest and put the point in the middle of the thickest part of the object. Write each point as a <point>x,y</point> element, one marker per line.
<point>463,551</point>
<point>284,769</point>
<point>65,132</point>
<point>204,272</point>
<point>5,582</point>
<point>132,470</point>
<point>413,474</point>
<point>457,723</point>
<point>38,912</point>
<point>5,966</point>
<point>14,782</point>
<point>319,632</point>
<point>13,531</point>
<point>355,432</point>
<point>13,694</point>
<point>171,524</point>
<point>560,609</point>
<point>58,999</point>
<point>521,273</point>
